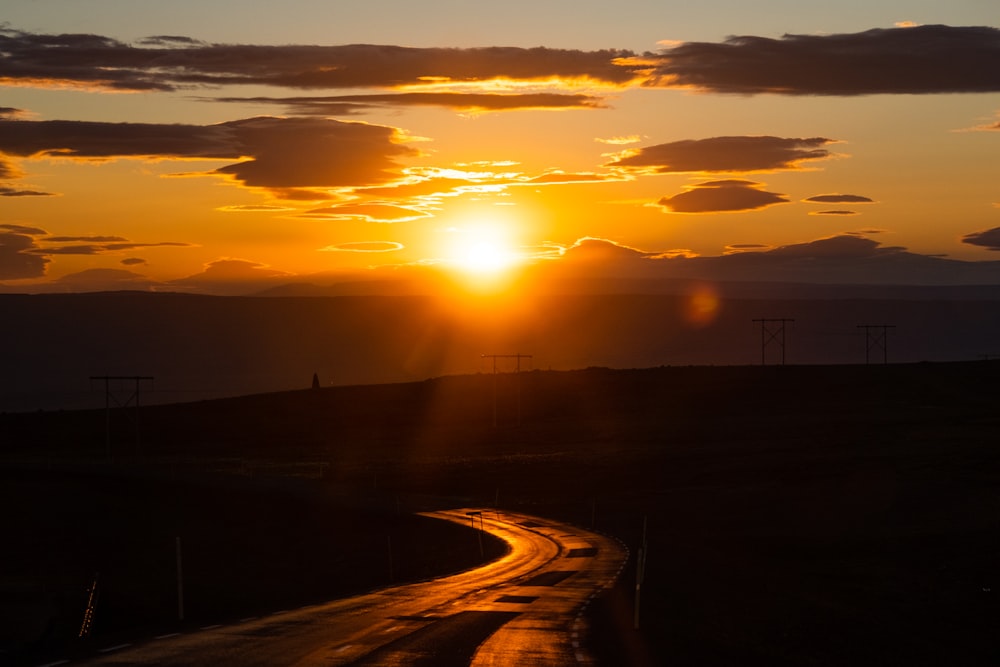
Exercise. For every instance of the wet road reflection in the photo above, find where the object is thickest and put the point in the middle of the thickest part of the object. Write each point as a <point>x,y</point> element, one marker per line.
<point>523,609</point>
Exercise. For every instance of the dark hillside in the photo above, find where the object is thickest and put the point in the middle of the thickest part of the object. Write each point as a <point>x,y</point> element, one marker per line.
<point>200,347</point>
<point>822,515</point>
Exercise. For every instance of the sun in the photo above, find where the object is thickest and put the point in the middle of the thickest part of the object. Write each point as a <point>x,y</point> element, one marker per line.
<point>482,251</point>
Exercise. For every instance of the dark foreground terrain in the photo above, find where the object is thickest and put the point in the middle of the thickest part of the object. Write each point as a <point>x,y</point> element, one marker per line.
<point>795,515</point>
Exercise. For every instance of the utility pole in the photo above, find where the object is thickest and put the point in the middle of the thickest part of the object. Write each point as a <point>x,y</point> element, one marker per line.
<point>876,336</point>
<point>110,395</point>
<point>772,330</point>
<point>518,358</point>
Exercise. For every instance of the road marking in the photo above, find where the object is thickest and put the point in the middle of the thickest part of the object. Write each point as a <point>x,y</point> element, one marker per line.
<point>167,636</point>
<point>113,648</point>
<point>211,627</point>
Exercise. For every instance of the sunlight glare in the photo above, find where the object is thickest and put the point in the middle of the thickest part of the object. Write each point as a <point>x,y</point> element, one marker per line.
<point>481,250</point>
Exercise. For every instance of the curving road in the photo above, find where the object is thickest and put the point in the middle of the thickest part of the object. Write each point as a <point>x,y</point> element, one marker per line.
<point>523,609</point>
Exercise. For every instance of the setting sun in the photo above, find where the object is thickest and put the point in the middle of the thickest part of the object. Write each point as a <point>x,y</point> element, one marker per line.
<point>482,250</point>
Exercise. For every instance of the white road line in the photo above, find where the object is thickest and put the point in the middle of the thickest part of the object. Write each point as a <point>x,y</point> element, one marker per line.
<point>113,648</point>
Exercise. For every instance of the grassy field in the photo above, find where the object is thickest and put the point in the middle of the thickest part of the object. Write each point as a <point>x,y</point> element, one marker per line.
<point>795,515</point>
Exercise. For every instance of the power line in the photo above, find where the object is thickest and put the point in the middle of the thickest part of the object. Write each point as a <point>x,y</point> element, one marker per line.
<point>518,357</point>
<point>772,330</point>
<point>110,395</point>
<point>876,337</point>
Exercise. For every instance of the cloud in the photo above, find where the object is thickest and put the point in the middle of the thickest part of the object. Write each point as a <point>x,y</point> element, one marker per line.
<point>133,261</point>
<point>848,258</point>
<point>364,246</point>
<point>343,105</point>
<point>22,229</point>
<point>170,63</point>
<point>724,154</point>
<point>8,169</point>
<point>6,191</point>
<point>96,245</point>
<point>745,247</point>
<point>593,250</point>
<point>236,269</point>
<point>431,186</point>
<point>909,60</point>
<point>103,280</point>
<point>989,239</point>
<point>620,141</point>
<point>841,246</point>
<point>717,196</point>
<point>834,212</point>
<point>279,153</point>
<point>17,260</point>
<point>561,178</point>
<point>232,276</point>
<point>256,208</point>
<point>374,212</point>
<point>839,199</point>
<point>93,239</point>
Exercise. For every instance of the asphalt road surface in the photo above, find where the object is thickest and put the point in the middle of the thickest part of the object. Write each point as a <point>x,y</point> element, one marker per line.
<point>523,609</point>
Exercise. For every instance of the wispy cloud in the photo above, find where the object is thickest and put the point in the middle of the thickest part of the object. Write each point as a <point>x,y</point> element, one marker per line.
<point>372,212</point>
<point>8,191</point>
<point>364,246</point>
<point>724,154</point>
<point>719,196</point>
<point>834,212</point>
<point>347,105</point>
<point>910,60</point>
<point>839,199</point>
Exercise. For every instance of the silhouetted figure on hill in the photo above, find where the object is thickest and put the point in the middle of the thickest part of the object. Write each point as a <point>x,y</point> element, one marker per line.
<point>315,381</point>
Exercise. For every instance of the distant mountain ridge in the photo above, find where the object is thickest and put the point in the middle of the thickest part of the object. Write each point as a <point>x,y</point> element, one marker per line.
<point>205,346</point>
<point>733,289</point>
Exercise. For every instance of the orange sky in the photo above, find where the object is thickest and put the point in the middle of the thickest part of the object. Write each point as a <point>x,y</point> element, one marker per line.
<point>184,151</point>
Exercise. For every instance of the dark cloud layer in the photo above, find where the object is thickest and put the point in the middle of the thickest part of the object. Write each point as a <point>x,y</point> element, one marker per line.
<point>344,105</point>
<point>725,154</point>
<point>274,153</point>
<point>845,258</point>
<point>7,191</point>
<point>989,239</point>
<point>839,199</point>
<point>17,260</point>
<point>169,63</point>
<point>24,250</point>
<point>914,60</point>
<point>718,196</point>
<point>924,59</point>
<point>835,212</point>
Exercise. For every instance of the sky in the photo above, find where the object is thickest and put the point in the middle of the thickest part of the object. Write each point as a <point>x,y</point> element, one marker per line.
<point>224,147</point>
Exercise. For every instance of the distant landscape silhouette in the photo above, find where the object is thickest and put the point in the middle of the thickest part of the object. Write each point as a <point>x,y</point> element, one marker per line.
<point>203,347</point>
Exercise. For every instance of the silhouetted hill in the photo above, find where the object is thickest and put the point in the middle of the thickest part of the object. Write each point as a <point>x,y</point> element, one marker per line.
<point>825,515</point>
<point>202,346</point>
